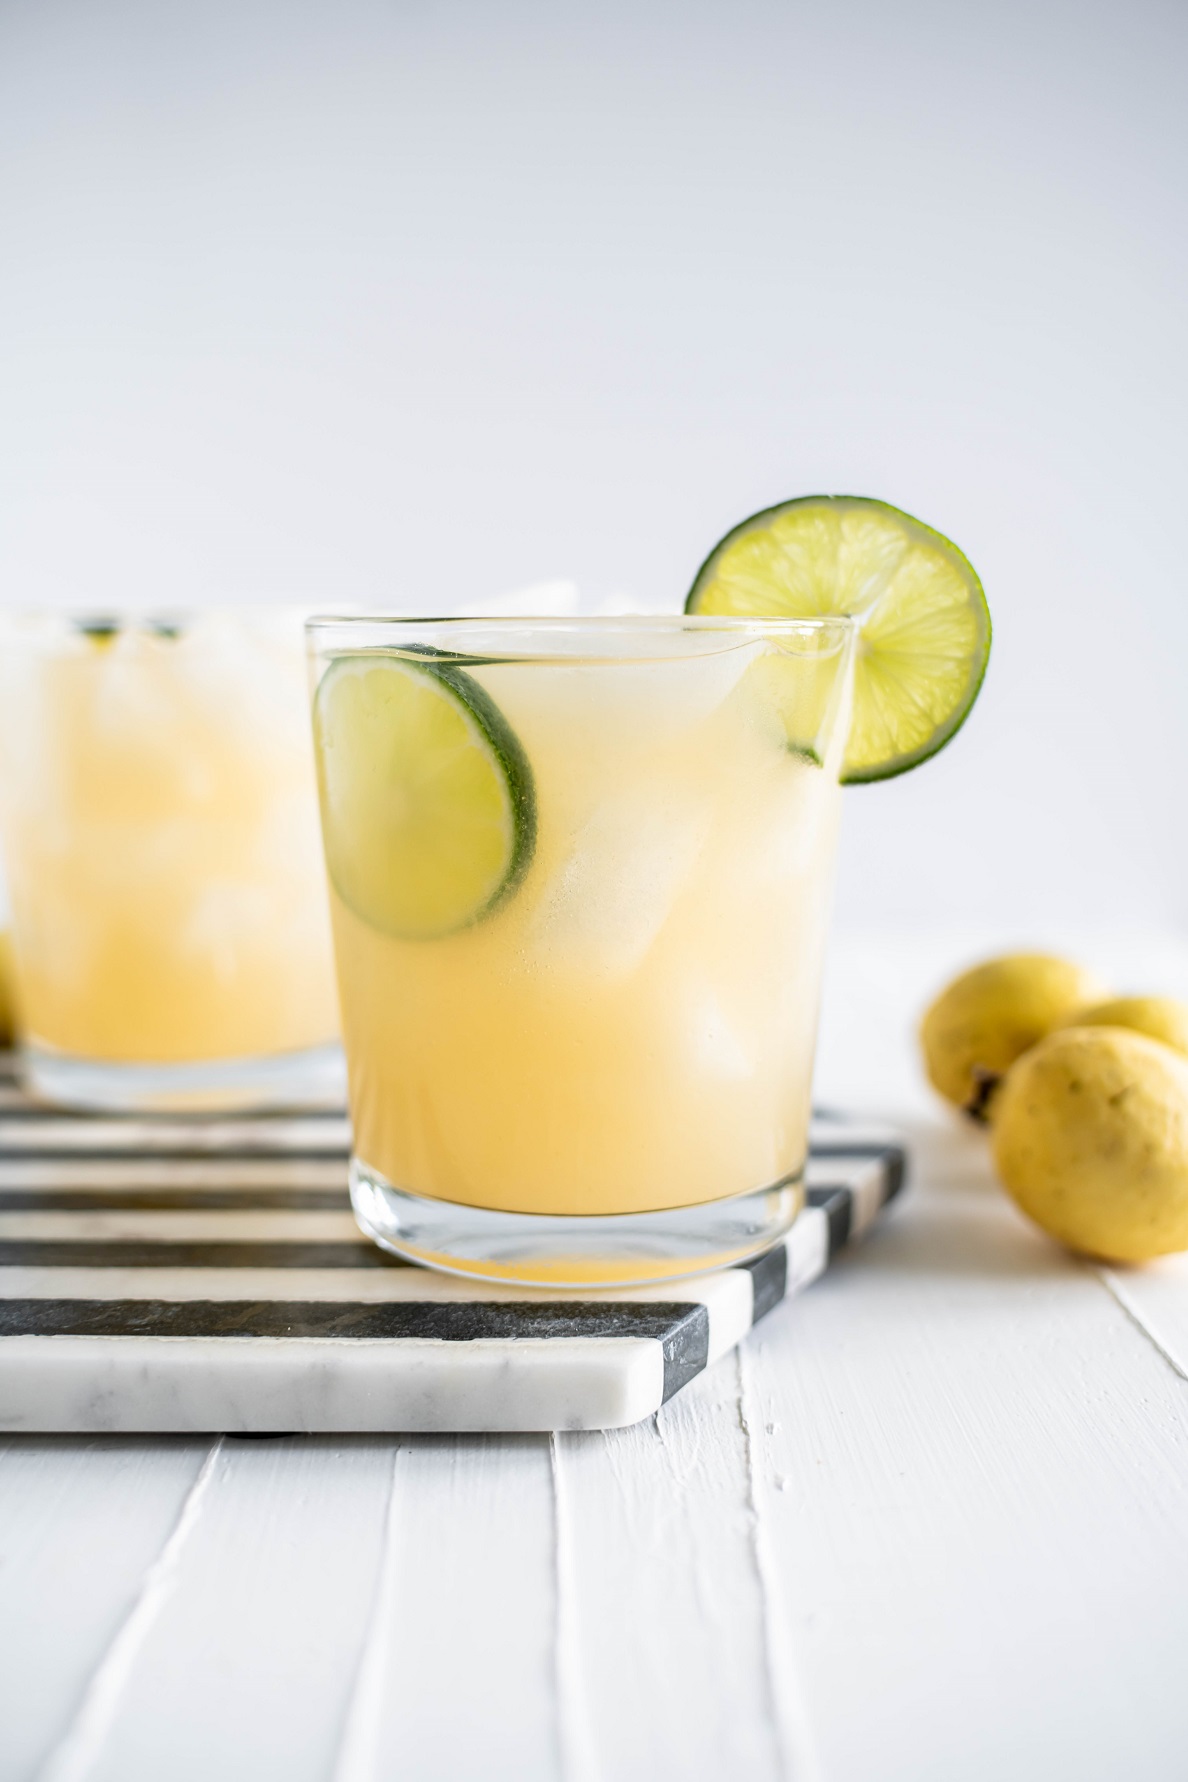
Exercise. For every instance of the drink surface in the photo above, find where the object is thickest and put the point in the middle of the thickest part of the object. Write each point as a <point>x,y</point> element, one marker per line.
<point>160,840</point>
<point>632,1026</point>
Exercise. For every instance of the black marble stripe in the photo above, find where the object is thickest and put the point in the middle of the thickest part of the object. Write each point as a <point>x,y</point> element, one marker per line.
<point>685,1342</point>
<point>34,1111</point>
<point>894,1173</point>
<point>162,1122</point>
<point>103,1253</point>
<point>855,1151</point>
<point>278,1154</point>
<point>161,1200</point>
<point>769,1278</point>
<point>837,1204</point>
<point>892,1158</point>
<point>682,1329</point>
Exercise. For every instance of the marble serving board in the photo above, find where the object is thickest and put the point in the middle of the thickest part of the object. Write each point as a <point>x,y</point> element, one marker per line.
<point>207,1274</point>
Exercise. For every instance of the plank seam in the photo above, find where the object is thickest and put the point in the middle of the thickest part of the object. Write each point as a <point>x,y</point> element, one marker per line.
<point>355,1760</point>
<point>577,1757</point>
<point>1121,1299</point>
<point>795,1752</point>
<point>75,1753</point>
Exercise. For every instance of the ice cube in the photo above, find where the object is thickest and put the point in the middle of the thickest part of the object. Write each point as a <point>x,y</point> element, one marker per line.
<point>630,701</point>
<point>607,902</point>
<point>794,841</point>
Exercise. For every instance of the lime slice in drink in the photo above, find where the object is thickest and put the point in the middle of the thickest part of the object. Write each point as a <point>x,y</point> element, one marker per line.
<point>428,813</point>
<point>924,624</point>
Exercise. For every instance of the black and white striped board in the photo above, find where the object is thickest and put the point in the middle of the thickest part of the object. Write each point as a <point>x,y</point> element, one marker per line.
<point>207,1274</point>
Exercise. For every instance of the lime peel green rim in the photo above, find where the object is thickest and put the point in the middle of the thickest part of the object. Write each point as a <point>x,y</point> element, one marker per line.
<point>521,787</point>
<point>947,730</point>
<point>483,712</point>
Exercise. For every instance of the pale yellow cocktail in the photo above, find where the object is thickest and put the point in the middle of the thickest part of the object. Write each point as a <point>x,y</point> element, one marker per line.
<point>580,876</point>
<point>171,942</point>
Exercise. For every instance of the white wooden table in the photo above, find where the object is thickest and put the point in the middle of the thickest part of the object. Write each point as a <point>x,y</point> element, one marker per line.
<point>930,1524</point>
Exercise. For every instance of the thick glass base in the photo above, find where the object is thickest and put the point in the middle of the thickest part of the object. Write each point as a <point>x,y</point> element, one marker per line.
<point>312,1078</point>
<point>559,1250</point>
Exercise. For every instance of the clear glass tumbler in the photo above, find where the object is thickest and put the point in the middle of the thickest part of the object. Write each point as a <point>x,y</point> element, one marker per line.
<point>580,874</point>
<point>170,932</point>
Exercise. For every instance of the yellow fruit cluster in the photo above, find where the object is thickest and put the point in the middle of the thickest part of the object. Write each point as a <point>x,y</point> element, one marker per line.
<point>1086,1097</point>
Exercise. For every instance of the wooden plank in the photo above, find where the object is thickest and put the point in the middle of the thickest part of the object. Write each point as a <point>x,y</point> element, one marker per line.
<point>81,1521</point>
<point>242,1660</point>
<point>459,1677</point>
<point>972,1464</point>
<point>682,1667</point>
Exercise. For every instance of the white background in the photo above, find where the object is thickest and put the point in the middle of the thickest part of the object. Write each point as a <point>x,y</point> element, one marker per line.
<point>421,302</point>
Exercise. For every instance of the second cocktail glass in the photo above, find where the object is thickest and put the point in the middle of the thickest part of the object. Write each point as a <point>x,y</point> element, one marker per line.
<point>171,942</point>
<point>580,874</point>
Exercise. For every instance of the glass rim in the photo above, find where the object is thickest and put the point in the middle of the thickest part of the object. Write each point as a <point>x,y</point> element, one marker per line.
<point>81,620</point>
<point>504,633</point>
<point>591,621</point>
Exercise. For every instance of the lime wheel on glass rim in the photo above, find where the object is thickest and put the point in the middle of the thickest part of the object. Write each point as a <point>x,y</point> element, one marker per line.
<point>923,623</point>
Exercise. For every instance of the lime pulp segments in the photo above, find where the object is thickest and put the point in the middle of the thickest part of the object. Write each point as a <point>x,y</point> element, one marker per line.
<point>428,811</point>
<point>924,626</point>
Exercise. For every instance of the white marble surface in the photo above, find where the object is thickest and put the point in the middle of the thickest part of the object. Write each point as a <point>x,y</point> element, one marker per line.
<point>177,1310</point>
<point>930,1521</point>
<point>255,1384</point>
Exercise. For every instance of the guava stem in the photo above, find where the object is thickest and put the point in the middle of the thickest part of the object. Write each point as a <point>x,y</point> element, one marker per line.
<point>985,1085</point>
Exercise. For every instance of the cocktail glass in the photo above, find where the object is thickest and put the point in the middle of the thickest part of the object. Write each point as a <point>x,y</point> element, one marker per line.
<point>160,838</point>
<point>593,1064</point>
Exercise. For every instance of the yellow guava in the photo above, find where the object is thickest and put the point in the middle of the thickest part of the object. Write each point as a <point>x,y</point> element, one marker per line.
<point>1159,1017</point>
<point>989,1016</point>
<point>1091,1141</point>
